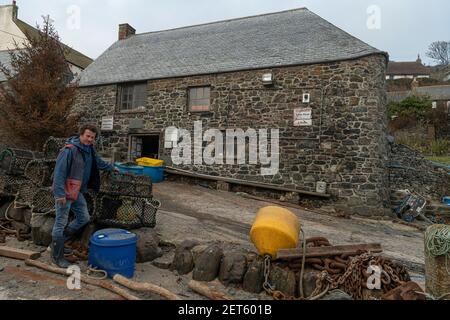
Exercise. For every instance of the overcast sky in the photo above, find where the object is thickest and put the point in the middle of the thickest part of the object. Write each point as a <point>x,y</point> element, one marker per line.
<point>403,28</point>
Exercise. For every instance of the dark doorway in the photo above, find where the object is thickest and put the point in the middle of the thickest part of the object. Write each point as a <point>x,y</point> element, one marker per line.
<point>144,146</point>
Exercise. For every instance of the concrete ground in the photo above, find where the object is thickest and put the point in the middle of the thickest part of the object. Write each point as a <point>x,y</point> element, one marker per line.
<point>195,212</point>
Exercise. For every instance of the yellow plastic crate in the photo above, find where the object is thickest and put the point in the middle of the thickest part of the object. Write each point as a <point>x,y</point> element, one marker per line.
<point>149,162</point>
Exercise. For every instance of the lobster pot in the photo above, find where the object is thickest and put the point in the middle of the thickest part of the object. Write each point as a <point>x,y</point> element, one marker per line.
<point>91,201</point>
<point>126,185</point>
<point>40,172</point>
<point>14,161</point>
<point>53,146</point>
<point>10,185</point>
<point>26,193</point>
<point>43,201</point>
<point>437,270</point>
<point>126,212</point>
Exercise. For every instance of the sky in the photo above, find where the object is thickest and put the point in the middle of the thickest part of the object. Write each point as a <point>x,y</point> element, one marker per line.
<point>403,28</point>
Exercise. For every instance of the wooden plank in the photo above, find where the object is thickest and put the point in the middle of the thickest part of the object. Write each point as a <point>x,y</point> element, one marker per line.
<point>204,290</point>
<point>98,283</point>
<point>18,254</point>
<point>180,172</point>
<point>145,287</point>
<point>320,252</point>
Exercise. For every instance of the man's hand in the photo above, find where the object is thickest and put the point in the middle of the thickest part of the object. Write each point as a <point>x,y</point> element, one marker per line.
<point>61,201</point>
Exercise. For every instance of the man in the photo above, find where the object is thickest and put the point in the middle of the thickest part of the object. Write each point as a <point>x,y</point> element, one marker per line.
<point>76,171</point>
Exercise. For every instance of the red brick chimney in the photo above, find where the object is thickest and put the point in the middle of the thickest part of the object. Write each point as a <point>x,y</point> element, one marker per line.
<point>126,31</point>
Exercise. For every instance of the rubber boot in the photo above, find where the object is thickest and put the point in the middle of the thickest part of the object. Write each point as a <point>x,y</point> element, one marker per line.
<point>69,234</point>
<point>58,253</point>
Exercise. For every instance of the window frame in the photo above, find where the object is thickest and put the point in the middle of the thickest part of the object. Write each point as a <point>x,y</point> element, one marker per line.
<point>189,99</point>
<point>130,91</point>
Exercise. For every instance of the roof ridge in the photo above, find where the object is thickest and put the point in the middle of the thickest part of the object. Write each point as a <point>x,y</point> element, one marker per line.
<point>76,51</point>
<point>226,20</point>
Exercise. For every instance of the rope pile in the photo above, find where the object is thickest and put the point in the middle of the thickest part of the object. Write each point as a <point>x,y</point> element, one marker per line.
<point>437,254</point>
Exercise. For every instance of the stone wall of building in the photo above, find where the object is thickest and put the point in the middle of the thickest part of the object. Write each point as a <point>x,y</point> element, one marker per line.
<point>345,147</point>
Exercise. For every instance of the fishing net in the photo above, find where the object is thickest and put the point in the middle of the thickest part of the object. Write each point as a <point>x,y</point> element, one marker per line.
<point>53,146</point>
<point>10,185</point>
<point>26,193</point>
<point>40,172</point>
<point>43,202</point>
<point>126,185</point>
<point>126,212</point>
<point>14,161</point>
<point>91,201</point>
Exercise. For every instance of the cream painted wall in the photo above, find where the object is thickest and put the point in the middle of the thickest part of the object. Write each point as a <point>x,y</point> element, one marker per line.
<point>8,29</point>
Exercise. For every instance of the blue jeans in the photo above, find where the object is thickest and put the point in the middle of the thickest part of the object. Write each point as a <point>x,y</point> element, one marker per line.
<point>82,218</point>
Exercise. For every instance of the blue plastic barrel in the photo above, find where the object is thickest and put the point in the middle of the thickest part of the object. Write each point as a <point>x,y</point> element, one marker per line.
<point>446,200</point>
<point>114,250</point>
<point>136,170</point>
<point>156,173</point>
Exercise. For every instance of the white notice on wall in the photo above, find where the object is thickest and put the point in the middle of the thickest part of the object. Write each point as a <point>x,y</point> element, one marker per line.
<point>302,117</point>
<point>108,123</point>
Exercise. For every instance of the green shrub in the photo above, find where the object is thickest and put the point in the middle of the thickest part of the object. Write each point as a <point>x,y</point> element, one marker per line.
<point>440,147</point>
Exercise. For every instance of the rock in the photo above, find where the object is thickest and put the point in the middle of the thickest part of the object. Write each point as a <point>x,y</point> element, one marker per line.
<point>21,227</point>
<point>309,281</point>
<point>198,250</point>
<point>189,244</point>
<point>2,268</point>
<point>233,268</point>
<point>4,206</point>
<point>183,261</point>
<point>87,234</point>
<point>41,229</point>
<point>164,262</point>
<point>283,281</point>
<point>148,245</point>
<point>254,277</point>
<point>208,264</point>
<point>16,214</point>
<point>337,295</point>
<point>27,217</point>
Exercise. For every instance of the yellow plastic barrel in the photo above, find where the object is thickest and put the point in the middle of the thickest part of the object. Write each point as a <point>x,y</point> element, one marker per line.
<point>275,228</point>
<point>149,162</point>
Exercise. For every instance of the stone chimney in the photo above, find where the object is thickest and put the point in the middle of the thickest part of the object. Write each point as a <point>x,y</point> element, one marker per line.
<point>9,12</point>
<point>126,31</point>
<point>419,60</point>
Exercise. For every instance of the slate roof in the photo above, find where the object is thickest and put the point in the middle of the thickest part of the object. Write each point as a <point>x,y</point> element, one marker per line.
<point>293,37</point>
<point>407,68</point>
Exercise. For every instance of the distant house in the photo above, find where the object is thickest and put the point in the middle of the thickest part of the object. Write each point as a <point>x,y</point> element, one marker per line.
<point>407,70</point>
<point>14,30</point>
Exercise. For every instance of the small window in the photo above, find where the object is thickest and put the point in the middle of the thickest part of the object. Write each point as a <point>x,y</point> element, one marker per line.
<point>200,99</point>
<point>132,96</point>
<point>434,104</point>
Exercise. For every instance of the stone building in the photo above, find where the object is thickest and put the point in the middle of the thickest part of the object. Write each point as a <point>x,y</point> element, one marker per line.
<point>293,71</point>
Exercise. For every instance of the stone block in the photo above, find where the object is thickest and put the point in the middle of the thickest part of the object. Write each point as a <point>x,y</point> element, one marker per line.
<point>208,264</point>
<point>148,245</point>
<point>254,277</point>
<point>233,267</point>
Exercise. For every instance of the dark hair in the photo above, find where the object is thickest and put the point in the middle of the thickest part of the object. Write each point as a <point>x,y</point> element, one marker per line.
<point>89,127</point>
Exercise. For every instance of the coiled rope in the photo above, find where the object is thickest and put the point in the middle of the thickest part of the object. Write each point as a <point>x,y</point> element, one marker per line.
<point>437,242</point>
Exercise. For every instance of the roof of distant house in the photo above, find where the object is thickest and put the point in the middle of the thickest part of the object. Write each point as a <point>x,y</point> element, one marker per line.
<point>72,55</point>
<point>414,68</point>
<point>293,37</point>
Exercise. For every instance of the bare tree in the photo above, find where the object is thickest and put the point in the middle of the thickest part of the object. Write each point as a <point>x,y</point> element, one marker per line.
<point>440,52</point>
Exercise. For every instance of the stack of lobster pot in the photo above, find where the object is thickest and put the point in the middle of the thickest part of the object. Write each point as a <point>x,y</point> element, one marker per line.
<point>126,201</point>
<point>13,163</point>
